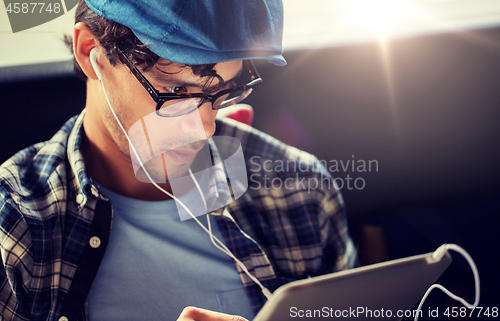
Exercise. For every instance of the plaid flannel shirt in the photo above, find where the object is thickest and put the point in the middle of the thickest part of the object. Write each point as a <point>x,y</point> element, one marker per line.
<point>282,229</point>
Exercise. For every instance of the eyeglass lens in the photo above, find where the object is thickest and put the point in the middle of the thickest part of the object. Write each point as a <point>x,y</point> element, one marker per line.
<point>177,107</point>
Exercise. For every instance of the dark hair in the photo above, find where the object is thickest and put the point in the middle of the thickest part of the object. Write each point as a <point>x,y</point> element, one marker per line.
<point>114,37</point>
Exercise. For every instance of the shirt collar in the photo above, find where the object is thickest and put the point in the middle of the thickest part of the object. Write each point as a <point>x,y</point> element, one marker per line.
<point>81,181</point>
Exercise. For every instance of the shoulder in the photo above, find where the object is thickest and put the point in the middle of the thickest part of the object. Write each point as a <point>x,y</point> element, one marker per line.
<point>261,149</point>
<point>292,207</point>
<point>284,183</point>
<point>29,179</point>
<point>274,165</point>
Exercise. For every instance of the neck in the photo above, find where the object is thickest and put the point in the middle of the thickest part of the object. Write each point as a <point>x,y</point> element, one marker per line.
<point>110,167</point>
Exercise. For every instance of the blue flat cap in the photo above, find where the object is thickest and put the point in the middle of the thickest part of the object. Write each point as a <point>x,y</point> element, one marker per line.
<point>202,31</point>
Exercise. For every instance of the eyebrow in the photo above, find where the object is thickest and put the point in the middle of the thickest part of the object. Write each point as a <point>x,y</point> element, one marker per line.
<point>179,82</point>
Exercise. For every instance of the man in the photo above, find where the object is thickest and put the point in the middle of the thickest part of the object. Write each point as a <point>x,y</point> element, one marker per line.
<point>89,229</point>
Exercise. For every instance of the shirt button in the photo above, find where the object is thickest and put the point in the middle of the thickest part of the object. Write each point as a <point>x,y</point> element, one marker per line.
<point>94,191</point>
<point>80,198</point>
<point>95,242</point>
<point>63,318</point>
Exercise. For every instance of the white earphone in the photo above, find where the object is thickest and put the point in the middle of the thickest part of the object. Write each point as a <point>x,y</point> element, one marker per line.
<point>438,254</point>
<point>217,243</point>
<point>93,60</point>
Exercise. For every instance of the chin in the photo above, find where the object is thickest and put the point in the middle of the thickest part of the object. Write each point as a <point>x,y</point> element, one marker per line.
<point>160,171</point>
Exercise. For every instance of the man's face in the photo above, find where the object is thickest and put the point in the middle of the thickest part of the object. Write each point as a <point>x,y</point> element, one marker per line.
<point>165,145</point>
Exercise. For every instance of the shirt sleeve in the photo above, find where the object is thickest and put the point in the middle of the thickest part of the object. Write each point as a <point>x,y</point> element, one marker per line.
<point>16,262</point>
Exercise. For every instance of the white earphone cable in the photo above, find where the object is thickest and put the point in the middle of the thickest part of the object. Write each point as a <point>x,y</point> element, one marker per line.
<point>475,272</point>
<point>222,247</point>
<point>213,238</point>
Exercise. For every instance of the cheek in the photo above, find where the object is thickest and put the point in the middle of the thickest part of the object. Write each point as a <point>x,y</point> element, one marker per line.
<point>132,102</point>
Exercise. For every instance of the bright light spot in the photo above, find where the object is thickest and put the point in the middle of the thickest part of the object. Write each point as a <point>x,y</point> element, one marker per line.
<point>324,23</point>
<point>380,14</point>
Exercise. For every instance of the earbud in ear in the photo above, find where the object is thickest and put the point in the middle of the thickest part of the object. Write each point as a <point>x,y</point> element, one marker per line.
<point>93,60</point>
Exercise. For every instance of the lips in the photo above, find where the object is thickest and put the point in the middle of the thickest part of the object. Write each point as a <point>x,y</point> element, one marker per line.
<point>182,156</point>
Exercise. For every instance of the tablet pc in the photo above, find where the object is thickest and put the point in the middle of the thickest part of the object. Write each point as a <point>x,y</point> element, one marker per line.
<point>383,291</point>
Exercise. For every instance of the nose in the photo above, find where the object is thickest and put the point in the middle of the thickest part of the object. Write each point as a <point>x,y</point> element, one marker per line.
<point>208,118</point>
<point>203,116</point>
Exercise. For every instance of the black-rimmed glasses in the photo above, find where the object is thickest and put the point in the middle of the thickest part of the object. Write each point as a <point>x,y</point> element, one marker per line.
<point>178,104</point>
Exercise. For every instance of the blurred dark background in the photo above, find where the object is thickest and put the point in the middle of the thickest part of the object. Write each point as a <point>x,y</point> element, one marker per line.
<point>424,109</point>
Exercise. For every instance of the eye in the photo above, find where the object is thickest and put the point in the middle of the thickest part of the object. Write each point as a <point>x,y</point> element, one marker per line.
<point>177,90</point>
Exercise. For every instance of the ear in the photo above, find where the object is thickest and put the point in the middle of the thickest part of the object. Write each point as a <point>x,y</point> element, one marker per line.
<point>83,43</point>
